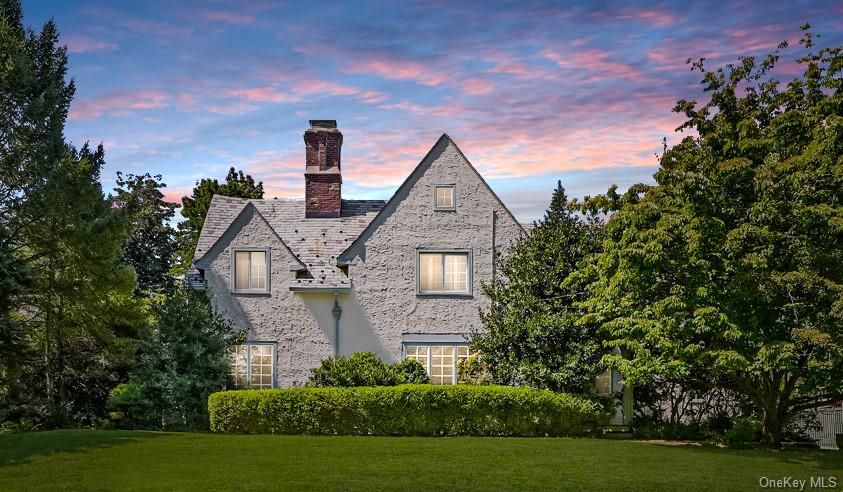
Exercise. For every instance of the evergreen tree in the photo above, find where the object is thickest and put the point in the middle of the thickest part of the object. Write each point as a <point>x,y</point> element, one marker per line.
<point>151,244</point>
<point>81,309</point>
<point>531,335</point>
<point>182,360</point>
<point>195,208</point>
<point>66,298</point>
<point>34,100</point>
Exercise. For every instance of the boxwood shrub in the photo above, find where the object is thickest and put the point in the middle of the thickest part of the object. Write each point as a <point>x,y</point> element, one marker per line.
<point>408,410</point>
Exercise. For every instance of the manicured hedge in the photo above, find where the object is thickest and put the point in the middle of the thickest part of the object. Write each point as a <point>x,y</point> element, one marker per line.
<point>407,410</point>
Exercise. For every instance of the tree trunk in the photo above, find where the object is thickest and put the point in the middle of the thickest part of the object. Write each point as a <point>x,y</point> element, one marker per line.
<point>773,427</point>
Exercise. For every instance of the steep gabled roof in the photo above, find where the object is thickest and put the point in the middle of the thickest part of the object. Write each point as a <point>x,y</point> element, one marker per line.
<point>228,205</point>
<point>314,243</point>
<point>408,183</point>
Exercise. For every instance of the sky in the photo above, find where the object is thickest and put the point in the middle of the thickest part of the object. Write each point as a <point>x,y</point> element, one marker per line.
<point>532,92</point>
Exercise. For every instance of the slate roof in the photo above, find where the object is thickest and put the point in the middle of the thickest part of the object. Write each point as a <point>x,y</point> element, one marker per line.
<point>315,242</point>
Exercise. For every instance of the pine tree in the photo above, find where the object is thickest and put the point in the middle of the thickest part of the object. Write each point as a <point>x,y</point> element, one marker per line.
<point>152,243</point>
<point>530,335</point>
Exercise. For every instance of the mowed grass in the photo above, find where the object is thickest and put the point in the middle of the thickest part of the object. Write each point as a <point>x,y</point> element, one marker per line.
<point>128,460</point>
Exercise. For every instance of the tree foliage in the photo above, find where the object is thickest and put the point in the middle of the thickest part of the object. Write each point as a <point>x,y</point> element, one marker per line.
<point>195,208</point>
<point>531,335</point>
<point>68,299</point>
<point>152,244</point>
<point>181,361</point>
<point>732,264</point>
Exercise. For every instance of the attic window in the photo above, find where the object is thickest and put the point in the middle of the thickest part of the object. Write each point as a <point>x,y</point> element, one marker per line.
<point>249,270</point>
<point>445,197</point>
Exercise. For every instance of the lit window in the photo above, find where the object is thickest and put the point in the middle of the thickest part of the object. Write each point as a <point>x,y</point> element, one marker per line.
<point>250,269</point>
<point>444,273</point>
<point>252,365</point>
<point>445,197</point>
<point>440,361</point>
<point>603,382</point>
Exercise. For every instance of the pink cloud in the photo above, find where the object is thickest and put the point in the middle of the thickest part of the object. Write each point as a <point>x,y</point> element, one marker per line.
<point>85,44</point>
<point>400,70</point>
<point>427,110</point>
<point>118,103</point>
<point>258,94</point>
<point>475,86</point>
<point>596,63</point>
<point>658,18</point>
<point>318,86</point>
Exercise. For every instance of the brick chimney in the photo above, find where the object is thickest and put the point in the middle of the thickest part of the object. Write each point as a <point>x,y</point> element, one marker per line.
<point>322,176</point>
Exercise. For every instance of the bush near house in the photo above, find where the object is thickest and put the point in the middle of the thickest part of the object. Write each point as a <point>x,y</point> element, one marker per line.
<point>407,410</point>
<point>366,369</point>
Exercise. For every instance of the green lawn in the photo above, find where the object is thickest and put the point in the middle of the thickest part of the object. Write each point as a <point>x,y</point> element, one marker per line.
<point>123,460</point>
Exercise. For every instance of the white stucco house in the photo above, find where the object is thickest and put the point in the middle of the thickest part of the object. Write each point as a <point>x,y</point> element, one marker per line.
<point>327,276</point>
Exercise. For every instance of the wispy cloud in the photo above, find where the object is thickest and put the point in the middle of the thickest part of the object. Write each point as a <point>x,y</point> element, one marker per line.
<point>85,44</point>
<point>120,103</point>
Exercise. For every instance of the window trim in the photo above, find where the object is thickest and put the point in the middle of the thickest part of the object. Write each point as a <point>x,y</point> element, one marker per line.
<point>469,292</point>
<point>248,344</point>
<point>453,187</point>
<point>430,345</point>
<point>250,249</point>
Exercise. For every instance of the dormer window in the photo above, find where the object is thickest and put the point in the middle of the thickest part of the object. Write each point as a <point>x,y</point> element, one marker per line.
<point>445,197</point>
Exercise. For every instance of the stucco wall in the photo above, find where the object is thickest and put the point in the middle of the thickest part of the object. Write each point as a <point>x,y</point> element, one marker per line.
<point>383,304</point>
<point>384,269</point>
<point>297,323</point>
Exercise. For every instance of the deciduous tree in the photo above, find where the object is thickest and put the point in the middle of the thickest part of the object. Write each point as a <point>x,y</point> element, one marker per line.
<point>195,208</point>
<point>732,264</point>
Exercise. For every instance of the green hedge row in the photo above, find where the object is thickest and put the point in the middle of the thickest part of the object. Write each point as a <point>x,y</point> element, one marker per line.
<point>407,410</point>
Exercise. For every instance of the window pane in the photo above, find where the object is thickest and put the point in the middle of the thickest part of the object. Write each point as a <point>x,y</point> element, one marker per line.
<point>258,270</point>
<point>603,382</point>
<point>237,365</point>
<point>442,364</point>
<point>261,366</point>
<point>417,352</point>
<point>430,270</point>
<point>241,270</point>
<point>456,272</point>
<point>444,196</point>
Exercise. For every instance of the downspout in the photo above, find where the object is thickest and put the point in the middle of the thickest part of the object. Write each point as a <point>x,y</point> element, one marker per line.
<point>337,312</point>
<point>494,251</point>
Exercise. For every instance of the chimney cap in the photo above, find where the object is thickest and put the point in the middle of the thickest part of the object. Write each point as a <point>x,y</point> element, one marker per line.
<point>323,123</point>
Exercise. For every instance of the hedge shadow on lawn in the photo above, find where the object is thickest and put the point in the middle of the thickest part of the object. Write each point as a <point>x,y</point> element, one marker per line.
<point>18,449</point>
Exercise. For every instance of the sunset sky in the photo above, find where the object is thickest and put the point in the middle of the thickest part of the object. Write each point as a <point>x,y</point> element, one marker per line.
<point>531,92</point>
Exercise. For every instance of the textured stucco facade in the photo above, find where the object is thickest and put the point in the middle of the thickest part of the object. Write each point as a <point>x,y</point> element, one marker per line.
<point>380,303</point>
<point>384,266</point>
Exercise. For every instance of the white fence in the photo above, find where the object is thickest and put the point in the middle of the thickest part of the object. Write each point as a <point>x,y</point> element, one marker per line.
<point>830,422</point>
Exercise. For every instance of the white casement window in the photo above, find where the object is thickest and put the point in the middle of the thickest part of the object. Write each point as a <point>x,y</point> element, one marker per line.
<point>444,272</point>
<point>252,365</point>
<point>445,197</point>
<point>441,361</point>
<point>250,270</point>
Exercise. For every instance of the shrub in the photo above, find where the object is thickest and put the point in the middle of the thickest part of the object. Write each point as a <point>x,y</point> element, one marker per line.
<point>366,369</point>
<point>408,410</point>
<point>472,371</point>
<point>411,371</point>
<point>744,432</point>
